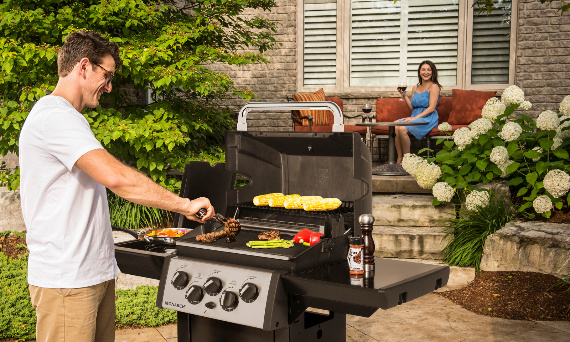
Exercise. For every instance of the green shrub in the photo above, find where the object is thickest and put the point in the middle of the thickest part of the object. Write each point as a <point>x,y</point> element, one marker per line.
<point>138,308</point>
<point>469,232</point>
<point>17,315</point>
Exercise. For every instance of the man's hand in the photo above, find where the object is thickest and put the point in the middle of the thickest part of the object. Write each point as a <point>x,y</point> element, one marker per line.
<point>195,205</point>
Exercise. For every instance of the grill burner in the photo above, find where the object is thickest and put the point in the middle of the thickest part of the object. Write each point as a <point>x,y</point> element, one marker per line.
<point>230,292</point>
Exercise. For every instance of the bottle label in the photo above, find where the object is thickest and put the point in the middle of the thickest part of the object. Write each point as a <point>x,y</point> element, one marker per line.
<point>355,259</point>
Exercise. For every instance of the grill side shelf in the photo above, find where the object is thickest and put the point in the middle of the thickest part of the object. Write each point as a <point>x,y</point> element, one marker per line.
<point>395,282</point>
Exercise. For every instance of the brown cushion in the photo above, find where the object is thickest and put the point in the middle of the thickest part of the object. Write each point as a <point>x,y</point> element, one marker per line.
<point>320,117</point>
<point>444,108</point>
<point>467,105</point>
<point>391,109</point>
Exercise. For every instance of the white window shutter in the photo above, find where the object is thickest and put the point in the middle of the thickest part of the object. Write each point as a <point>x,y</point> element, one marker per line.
<point>491,45</point>
<point>319,43</point>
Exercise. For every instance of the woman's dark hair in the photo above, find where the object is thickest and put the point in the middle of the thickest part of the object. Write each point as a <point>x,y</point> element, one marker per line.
<point>433,72</point>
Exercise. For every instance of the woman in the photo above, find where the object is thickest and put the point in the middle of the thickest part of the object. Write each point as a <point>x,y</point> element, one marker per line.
<point>425,97</point>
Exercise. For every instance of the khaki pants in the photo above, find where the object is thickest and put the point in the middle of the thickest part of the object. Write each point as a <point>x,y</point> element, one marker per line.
<point>75,315</point>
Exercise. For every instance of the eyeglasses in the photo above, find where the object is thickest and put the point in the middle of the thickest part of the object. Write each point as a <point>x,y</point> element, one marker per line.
<point>108,75</point>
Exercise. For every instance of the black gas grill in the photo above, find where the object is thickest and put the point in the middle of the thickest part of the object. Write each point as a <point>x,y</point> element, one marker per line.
<point>230,292</point>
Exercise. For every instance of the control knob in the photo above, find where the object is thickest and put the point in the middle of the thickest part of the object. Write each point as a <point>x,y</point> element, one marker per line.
<point>228,300</point>
<point>180,280</point>
<point>195,294</point>
<point>248,292</point>
<point>213,286</point>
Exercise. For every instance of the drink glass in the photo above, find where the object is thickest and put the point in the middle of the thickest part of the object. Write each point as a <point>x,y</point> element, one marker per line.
<point>402,87</point>
<point>367,108</point>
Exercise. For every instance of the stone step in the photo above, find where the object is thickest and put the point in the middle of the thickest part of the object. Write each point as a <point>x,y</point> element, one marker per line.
<point>409,242</point>
<point>397,185</point>
<point>409,210</point>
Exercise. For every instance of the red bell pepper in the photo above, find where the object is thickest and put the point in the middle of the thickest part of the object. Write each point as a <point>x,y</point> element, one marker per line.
<point>303,236</point>
<point>315,238</point>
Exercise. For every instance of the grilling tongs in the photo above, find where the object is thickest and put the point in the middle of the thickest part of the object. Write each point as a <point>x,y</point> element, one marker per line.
<point>231,228</point>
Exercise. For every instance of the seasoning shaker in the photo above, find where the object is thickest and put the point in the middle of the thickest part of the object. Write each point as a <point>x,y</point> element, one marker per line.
<point>354,257</point>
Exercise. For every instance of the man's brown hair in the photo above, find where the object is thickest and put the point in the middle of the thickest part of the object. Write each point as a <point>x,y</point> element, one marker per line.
<point>85,44</point>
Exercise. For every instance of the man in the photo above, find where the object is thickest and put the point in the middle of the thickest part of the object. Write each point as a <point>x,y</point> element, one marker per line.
<point>64,172</point>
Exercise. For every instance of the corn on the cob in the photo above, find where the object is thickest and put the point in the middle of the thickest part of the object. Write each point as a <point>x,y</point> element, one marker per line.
<point>280,201</point>
<point>323,204</point>
<point>297,202</point>
<point>264,199</point>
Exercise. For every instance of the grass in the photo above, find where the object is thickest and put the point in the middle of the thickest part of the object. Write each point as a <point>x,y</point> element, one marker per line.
<point>469,232</point>
<point>134,308</point>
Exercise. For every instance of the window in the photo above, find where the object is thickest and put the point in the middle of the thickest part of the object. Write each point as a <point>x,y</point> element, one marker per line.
<point>371,45</point>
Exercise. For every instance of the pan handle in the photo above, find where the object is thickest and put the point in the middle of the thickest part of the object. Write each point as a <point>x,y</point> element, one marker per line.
<point>125,230</point>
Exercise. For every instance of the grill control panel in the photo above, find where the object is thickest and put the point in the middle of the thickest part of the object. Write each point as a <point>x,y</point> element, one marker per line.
<point>236,294</point>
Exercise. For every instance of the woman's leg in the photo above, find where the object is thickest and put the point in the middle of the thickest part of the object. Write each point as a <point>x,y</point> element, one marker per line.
<point>402,143</point>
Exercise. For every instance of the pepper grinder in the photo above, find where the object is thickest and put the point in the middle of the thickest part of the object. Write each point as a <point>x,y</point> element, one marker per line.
<point>366,225</point>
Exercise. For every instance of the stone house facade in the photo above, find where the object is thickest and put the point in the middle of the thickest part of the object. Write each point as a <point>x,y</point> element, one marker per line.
<point>542,61</point>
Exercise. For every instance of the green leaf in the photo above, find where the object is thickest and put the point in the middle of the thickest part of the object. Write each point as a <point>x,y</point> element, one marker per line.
<point>559,205</point>
<point>531,178</point>
<point>561,153</point>
<point>515,181</point>
<point>465,170</point>
<point>547,214</point>
<point>446,169</point>
<point>525,206</point>
<point>532,154</point>
<point>481,164</point>
<point>522,191</point>
<point>512,147</point>
<point>541,167</point>
<point>512,168</point>
<point>546,144</point>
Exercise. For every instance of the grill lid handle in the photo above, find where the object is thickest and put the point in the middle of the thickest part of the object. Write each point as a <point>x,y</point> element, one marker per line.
<point>338,125</point>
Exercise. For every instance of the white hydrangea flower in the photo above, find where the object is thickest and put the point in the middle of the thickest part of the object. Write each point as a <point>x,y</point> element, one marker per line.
<point>499,155</point>
<point>476,200</point>
<point>444,127</point>
<point>526,105</point>
<point>427,175</point>
<point>503,168</point>
<point>548,120</point>
<point>512,95</point>
<point>542,204</point>
<point>511,131</point>
<point>443,191</point>
<point>563,134</point>
<point>539,150</point>
<point>557,143</point>
<point>556,182</point>
<point>480,126</point>
<point>493,108</point>
<point>565,106</point>
<point>411,162</point>
<point>463,137</point>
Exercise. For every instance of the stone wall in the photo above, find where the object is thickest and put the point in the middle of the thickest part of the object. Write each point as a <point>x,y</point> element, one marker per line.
<point>543,54</point>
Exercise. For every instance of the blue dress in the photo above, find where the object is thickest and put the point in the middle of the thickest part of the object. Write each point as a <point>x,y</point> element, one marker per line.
<point>420,102</point>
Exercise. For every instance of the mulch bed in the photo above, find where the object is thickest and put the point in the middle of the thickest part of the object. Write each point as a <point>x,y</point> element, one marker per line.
<point>512,295</point>
<point>515,295</point>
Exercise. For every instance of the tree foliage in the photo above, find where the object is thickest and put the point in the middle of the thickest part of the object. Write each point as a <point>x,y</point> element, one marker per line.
<point>488,5</point>
<point>166,48</point>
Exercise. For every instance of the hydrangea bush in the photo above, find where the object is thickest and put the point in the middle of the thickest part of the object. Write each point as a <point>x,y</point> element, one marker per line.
<point>531,155</point>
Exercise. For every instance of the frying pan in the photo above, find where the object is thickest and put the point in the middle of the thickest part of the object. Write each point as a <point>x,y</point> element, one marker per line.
<point>149,237</point>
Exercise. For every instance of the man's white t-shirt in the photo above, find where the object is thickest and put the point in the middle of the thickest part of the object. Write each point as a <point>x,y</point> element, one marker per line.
<point>65,210</point>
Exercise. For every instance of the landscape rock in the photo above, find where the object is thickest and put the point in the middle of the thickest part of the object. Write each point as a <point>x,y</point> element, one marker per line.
<point>11,211</point>
<point>530,247</point>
